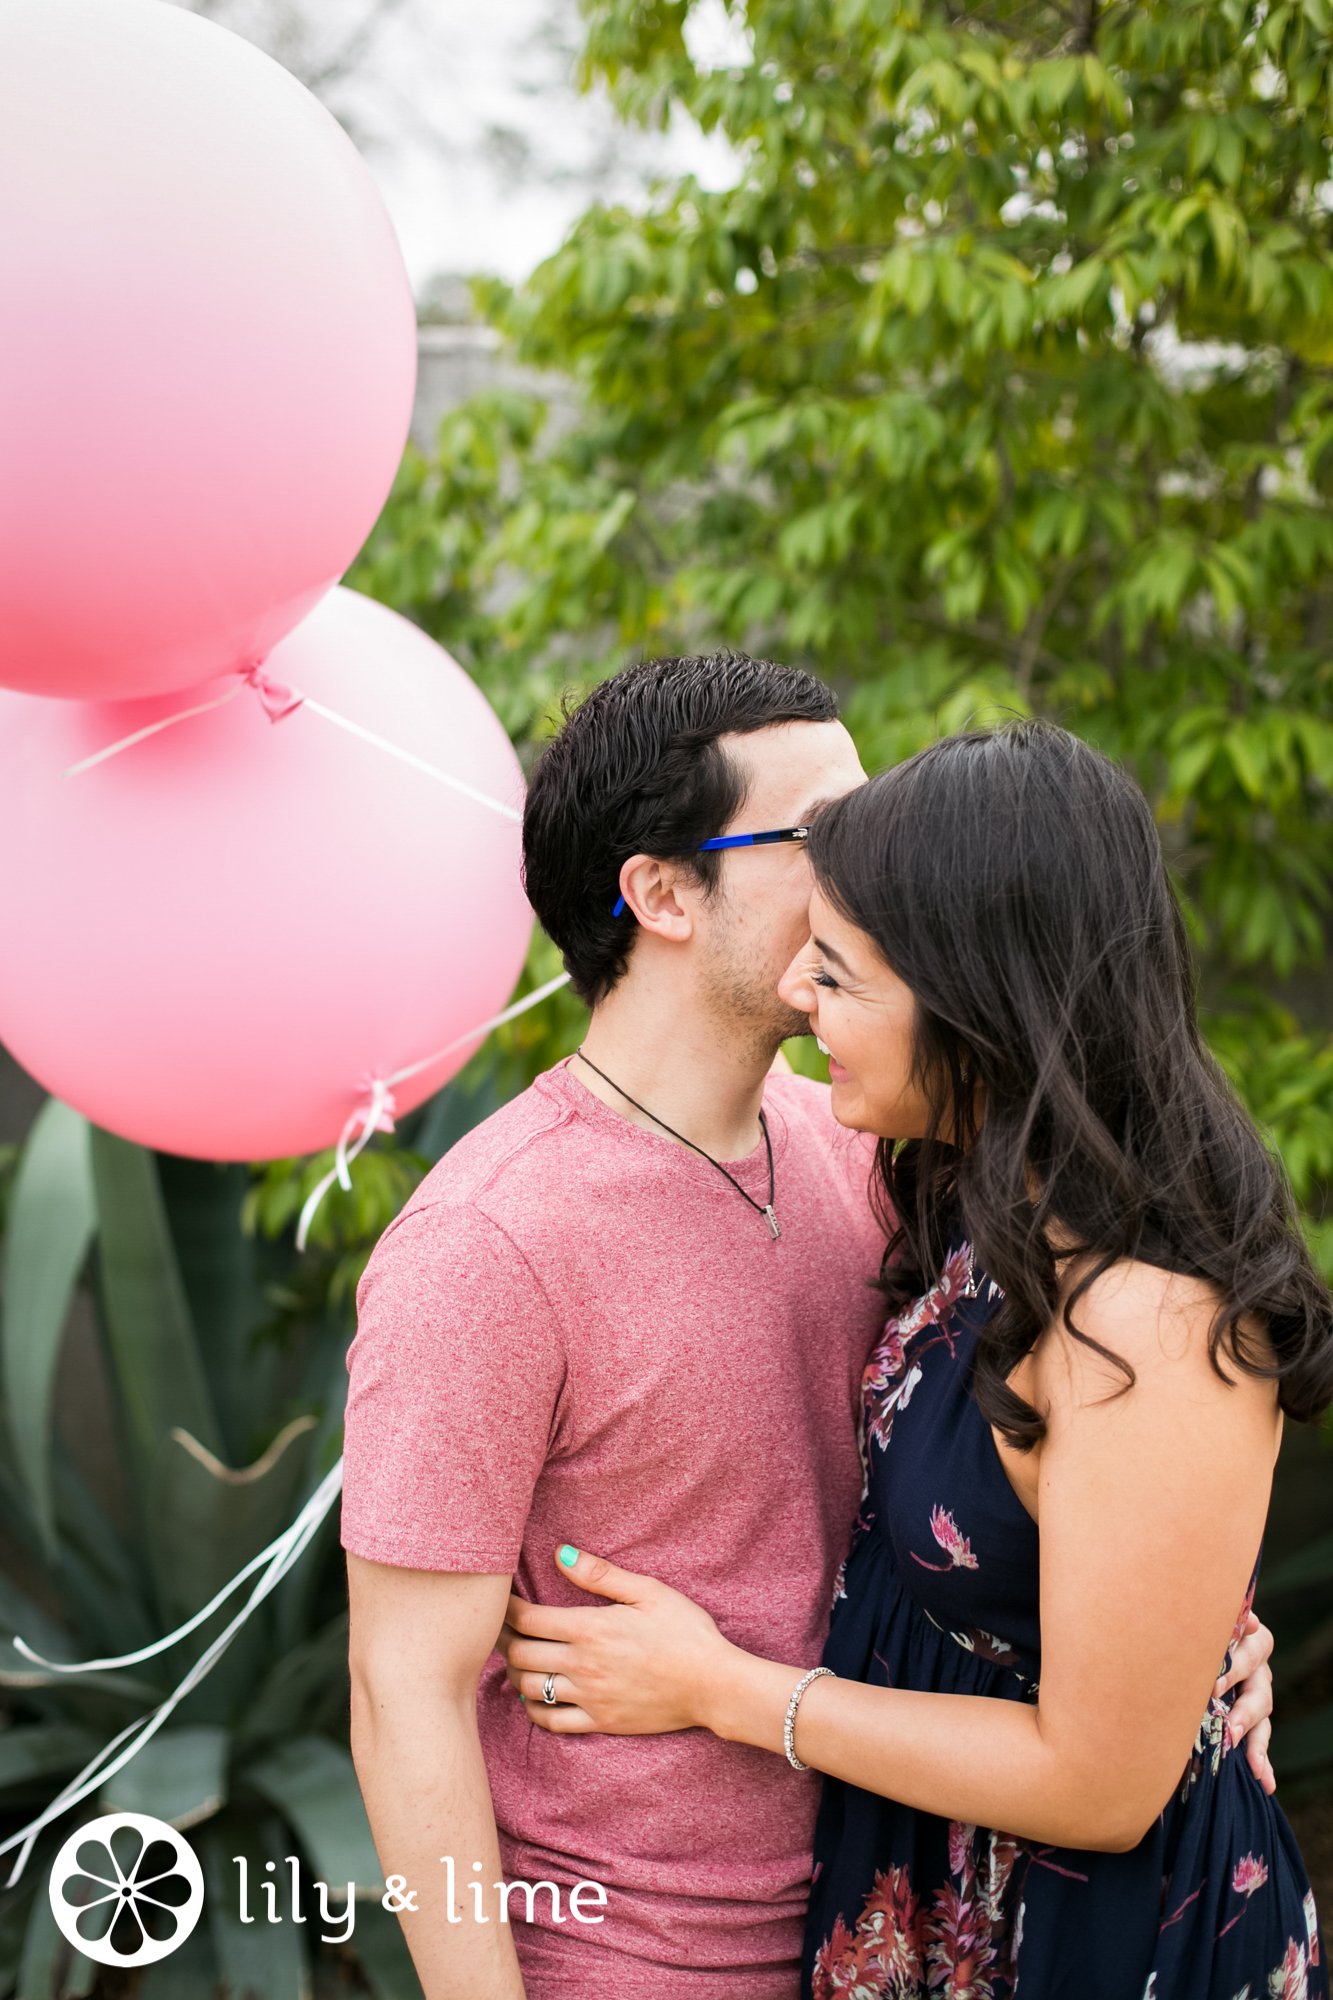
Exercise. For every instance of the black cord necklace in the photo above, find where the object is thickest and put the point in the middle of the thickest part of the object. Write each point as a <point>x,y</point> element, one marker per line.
<point>762,1208</point>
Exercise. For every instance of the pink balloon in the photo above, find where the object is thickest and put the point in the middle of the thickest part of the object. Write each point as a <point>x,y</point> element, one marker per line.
<point>209,349</point>
<point>211,938</point>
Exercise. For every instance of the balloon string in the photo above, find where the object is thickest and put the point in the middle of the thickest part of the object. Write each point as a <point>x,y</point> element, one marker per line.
<point>279,701</point>
<point>284,1551</point>
<point>282,1554</point>
<point>21,1645</point>
<point>373,1115</point>
<point>538,993</point>
<point>409,757</point>
<point>375,1110</point>
<point>183,715</point>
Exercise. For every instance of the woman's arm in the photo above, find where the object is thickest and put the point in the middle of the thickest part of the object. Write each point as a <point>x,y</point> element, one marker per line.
<point>1151,1506</point>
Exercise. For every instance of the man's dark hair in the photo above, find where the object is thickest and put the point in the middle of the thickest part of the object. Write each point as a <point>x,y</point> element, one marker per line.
<point>637,769</point>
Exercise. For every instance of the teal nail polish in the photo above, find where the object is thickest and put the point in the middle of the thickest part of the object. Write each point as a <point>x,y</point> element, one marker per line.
<point>567,1555</point>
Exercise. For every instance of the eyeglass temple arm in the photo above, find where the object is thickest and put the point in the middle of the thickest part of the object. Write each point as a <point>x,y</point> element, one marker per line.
<point>738,840</point>
<point>754,839</point>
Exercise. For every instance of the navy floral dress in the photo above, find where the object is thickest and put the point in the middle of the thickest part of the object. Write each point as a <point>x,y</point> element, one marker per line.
<point>939,1592</point>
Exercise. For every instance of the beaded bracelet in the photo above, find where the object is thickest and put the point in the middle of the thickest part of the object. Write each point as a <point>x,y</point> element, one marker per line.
<point>789,1726</point>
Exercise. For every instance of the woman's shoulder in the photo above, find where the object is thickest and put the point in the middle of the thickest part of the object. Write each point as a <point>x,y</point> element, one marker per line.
<point>1149,1315</point>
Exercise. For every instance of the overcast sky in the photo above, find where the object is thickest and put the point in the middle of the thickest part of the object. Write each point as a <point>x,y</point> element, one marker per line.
<point>468,117</point>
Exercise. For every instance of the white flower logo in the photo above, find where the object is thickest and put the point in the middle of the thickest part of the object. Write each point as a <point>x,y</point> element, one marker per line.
<point>126,1889</point>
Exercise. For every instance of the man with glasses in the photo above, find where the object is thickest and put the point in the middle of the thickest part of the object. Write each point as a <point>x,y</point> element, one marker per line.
<point>633,1307</point>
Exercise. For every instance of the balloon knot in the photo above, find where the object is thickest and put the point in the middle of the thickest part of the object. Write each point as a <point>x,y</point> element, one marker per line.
<point>378,1103</point>
<point>279,700</point>
<point>374,1113</point>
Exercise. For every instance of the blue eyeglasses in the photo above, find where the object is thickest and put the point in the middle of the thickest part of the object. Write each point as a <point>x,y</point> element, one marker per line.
<point>738,840</point>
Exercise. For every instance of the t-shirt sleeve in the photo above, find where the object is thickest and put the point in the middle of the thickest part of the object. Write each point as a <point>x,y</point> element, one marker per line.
<point>454,1375</point>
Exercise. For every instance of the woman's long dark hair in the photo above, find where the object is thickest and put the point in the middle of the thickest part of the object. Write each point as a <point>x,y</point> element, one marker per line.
<point>1013,878</point>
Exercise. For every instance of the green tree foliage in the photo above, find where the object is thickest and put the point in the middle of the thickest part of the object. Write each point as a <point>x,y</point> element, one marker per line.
<point>999,380</point>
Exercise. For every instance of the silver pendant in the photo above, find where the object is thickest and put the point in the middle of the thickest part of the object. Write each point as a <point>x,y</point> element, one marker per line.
<point>772,1221</point>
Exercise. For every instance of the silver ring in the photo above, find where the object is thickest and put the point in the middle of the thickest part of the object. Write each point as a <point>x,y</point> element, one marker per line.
<point>548,1690</point>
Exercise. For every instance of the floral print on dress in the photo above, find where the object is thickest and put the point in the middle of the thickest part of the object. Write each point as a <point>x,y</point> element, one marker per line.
<point>987,1647</point>
<point>958,1549</point>
<point>1247,1878</point>
<point>1213,1741</point>
<point>884,1953</point>
<point>958,1941</point>
<point>861,1526</point>
<point>888,1383</point>
<point>939,1589</point>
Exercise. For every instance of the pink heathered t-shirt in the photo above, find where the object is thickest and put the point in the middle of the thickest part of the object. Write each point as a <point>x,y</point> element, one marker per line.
<point>576,1331</point>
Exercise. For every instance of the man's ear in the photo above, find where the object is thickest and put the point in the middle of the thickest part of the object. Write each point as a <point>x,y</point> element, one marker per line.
<point>649,886</point>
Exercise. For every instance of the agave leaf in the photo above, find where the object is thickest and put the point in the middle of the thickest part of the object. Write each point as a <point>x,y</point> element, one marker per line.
<point>43,1750</point>
<point>208,1520</point>
<point>103,1605</point>
<point>85,1693</point>
<point>20,1616</point>
<point>303,1679</point>
<point>312,1782</point>
<point>52,1217</point>
<point>180,1776</point>
<point>188,1973</point>
<point>218,1270</point>
<point>85,1524</point>
<point>84,1591</point>
<point>256,1960</point>
<point>13,1921</point>
<point>104,1589</point>
<point>80,1977</point>
<point>324,1382</point>
<point>50,1968</point>
<point>151,1340</point>
<point>385,1959</point>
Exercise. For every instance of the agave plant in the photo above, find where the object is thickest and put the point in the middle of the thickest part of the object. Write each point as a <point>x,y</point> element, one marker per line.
<point>217,1360</point>
<point>222,1419</point>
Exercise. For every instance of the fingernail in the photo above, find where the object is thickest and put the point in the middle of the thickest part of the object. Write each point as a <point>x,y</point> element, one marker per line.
<point>567,1555</point>
<point>1237,1730</point>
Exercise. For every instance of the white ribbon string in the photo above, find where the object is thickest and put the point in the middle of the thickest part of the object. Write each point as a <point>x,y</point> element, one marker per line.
<point>484,1028</point>
<point>284,1550</point>
<point>126,742</point>
<point>21,1645</point>
<point>374,1115</point>
<point>279,702</point>
<point>281,1555</point>
<point>410,757</point>
<point>374,1112</point>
